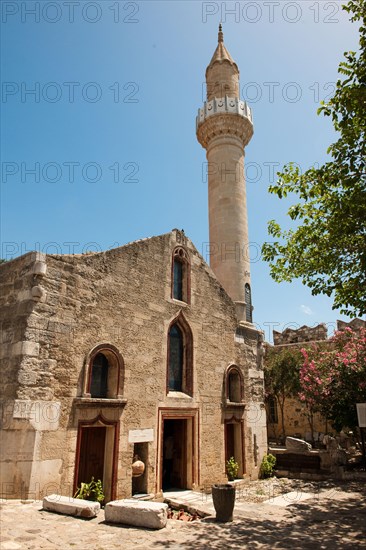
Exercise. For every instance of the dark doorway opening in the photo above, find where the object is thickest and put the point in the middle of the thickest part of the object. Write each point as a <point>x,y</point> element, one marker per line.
<point>230,441</point>
<point>175,455</point>
<point>139,484</point>
<point>92,451</point>
<point>234,444</point>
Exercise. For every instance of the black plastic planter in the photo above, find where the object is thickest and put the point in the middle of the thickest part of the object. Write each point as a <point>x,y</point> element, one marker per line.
<point>223,497</point>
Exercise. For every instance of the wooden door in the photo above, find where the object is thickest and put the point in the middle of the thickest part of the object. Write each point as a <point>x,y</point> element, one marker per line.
<point>91,461</point>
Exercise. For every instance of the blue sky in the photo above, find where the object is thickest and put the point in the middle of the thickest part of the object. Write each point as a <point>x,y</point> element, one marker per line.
<point>109,129</point>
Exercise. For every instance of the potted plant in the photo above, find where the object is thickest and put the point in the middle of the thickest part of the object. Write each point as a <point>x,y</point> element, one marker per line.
<point>232,468</point>
<point>91,491</point>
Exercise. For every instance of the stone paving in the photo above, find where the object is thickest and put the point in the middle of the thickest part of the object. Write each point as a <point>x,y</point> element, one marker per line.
<point>330,519</point>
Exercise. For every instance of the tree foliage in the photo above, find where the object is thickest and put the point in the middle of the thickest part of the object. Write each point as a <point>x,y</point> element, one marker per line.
<point>327,251</point>
<point>281,376</point>
<point>333,378</point>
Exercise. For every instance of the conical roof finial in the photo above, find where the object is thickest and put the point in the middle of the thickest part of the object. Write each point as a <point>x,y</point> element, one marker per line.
<point>221,54</point>
<point>221,34</point>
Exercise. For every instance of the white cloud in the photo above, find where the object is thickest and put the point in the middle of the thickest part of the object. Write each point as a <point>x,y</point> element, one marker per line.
<point>306,310</point>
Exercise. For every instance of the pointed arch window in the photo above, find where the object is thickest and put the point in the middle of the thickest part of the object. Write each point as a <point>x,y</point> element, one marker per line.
<point>180,357</point>
<point>176,359</point>
<point>178,280</point>
<point>248,304</point>
<point>181,275</point>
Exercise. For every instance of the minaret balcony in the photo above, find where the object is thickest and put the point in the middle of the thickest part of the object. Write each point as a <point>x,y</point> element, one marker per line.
<point>224,117</point>
<point>224,105</point>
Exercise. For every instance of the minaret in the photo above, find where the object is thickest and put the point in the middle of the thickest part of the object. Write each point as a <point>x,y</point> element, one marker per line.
<point>224,127</point>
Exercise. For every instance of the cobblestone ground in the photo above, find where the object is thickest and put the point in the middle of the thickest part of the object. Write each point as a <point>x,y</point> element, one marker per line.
<point>333,517</point>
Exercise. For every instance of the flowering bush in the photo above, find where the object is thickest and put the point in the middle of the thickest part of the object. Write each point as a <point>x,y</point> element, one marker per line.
<point>333,379</point>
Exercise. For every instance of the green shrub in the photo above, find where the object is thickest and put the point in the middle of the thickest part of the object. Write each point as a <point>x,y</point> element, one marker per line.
<point>267,466</point>
<point>91,491</point>
<point>232,468</point>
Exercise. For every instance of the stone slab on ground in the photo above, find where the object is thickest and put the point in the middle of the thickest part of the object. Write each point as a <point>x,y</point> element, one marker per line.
<point>138,513</point>
<point>71,506</point>
<point>298,445</point>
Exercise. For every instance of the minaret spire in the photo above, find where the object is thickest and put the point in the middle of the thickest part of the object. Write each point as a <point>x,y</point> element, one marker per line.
<point>221,34</point>
<point>222,73</point>
<point>224,128</point>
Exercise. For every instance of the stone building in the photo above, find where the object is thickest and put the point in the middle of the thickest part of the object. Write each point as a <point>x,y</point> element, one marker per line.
<point>141,350</point>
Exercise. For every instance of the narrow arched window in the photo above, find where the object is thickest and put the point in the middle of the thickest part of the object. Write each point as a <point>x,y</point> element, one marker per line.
<point>104,373</point>
<point>181,275</point>
<point>99,376</point>
<point>178,279</point>
<point>180,357</point>
<point>176,358</point>
<point>272,410</point>
<point>234,389</point>
<point>234,384</point>
<point>248,304</point>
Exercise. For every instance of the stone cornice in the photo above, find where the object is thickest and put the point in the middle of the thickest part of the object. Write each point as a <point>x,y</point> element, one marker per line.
<point>224,125</point>
<point>99,402</point>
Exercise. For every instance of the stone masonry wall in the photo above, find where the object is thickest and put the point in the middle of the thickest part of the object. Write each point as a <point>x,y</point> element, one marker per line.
<point>302,334</point>
<point>28,406</point>
<point>121,297</point>
<point>297,423</point>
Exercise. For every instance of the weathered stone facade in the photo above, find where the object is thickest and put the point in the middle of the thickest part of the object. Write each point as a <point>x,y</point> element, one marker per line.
<point>302,334</point>
<point>356,325</point>
<point>296,423</point>
<point>57,309</point>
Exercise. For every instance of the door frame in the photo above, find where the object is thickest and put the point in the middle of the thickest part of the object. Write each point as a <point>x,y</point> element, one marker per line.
<point>165,413</point>
<point>240,422</point>
<point>103,422</point>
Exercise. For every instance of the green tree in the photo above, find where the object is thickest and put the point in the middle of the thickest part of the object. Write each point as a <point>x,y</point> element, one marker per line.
<point>327,250</point>
<point>281,377</point>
